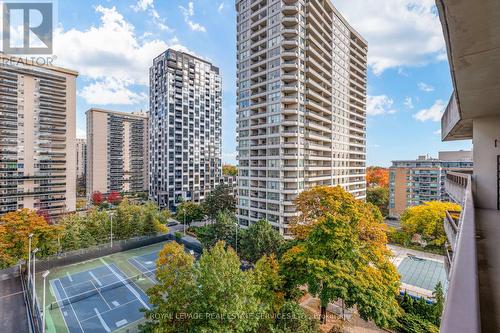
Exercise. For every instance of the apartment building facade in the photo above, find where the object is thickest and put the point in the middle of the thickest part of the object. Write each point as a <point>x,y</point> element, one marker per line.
<point>301,105</point>
<point>185,120</point>
<point>413,182</point>
<point>471,32</point>
<point>37,137</point>
<point>117,151</point>
<point>81,157</point>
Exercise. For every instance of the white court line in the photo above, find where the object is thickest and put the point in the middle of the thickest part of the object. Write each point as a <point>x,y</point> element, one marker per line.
<point>69,276</point>
<point>132,290</point>
<point>132,301</point>
<point>145,272</point>
<point>58,297</point>
<point>101,295</point>
<point>103,323</point>
<point>95,278</point>
<point>71,305</point>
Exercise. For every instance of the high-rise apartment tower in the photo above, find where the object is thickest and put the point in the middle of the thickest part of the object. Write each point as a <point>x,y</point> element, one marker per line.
<point>185,128</point>
<point>117,147</point>
<point>301,105</point>
<point>37,137</point>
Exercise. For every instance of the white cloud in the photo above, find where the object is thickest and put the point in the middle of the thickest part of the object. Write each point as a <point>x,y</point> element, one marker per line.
<point>143,5</point>
<point>110,56</point>
<point>437,132</point>
<point>221,7</point>
<point>81,133</point>
<point>111,91</point>
<point>409,103</point>
<point>399,33</point>
<point>425,87</point>
<point>188,13</point>
<point>379,105</point>
<point>433,113</point>
<point>148,5</point>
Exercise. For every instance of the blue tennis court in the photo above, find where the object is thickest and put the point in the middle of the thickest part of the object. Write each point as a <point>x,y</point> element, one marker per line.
<point>102,299</point>
<point>146,264</point>
<point>422,273</point>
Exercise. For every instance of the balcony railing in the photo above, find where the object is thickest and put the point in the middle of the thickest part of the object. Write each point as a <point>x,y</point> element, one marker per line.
<point>461,313</point>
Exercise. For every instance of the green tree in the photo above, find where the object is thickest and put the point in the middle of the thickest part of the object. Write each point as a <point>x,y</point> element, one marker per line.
<point>225,291</point>
<point>379,197</point>
<point>269,289</point>
<point>172,298</point>
<point>188,212</point>
<point>224,229</point>
<point>152,219</point>
<point>219,200</point>
<point>292,318</point>
<point>97,223</point>
<point>76,234</point>
<point>438,294</point>
<point>343,255</point>
<point>229,170</point>
<point>260,239</point>
<point>427,221</point>
<point>212,295</point>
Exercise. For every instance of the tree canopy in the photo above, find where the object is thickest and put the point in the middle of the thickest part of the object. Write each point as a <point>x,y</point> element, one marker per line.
<point>215,295</point>
<point>379,197</point>
<point>15,227</point>
<point>427,220</point>
<point>377,176</point>
<point>94,226</point>
<point>260,239</point>
<point>219,200</point>
<point>229,170</point>
<point>224,229</point>
<point>342,254</point>
<point>188,212</point>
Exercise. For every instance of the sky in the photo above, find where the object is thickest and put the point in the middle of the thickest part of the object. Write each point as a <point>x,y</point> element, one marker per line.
<point>112,44</point>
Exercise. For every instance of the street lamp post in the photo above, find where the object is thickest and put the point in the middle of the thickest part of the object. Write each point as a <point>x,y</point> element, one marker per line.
<point>111,220</point>
<point>45,274</point>
<point>33,285</point>
<point>30,236</point>
<point>236,238</point>
<point>184,221</point>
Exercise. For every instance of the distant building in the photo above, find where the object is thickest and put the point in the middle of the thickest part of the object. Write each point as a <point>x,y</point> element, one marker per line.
<point>117,151</point>
<point>81,157</point>
<point>37,137</point>
<point>230,181</point>
<point>81,166</point>
<point>185,128</point>
<point>412,182</point>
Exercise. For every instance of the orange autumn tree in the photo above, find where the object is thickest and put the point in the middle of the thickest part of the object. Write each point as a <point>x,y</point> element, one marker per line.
<point>377,176</point>
<point>15,228</point>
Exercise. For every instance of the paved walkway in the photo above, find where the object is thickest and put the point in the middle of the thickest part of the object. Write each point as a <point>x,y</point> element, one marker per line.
<point>13,317</point>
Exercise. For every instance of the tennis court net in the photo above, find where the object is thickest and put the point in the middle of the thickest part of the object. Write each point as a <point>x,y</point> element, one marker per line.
<point>98,290</point>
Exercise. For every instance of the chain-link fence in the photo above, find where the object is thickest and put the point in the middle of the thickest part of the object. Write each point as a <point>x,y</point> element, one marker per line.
<point>72,257</point>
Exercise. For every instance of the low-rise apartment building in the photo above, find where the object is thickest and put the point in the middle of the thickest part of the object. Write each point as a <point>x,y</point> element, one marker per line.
<point>412,182</point>
<point>117,151</point>
<point>37,137</point>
